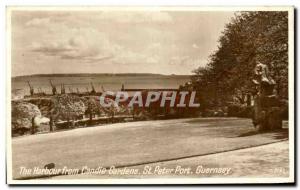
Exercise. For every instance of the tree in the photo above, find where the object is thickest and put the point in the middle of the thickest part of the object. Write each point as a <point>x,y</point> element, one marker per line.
<point>67,107</point>
<point>250,36</point>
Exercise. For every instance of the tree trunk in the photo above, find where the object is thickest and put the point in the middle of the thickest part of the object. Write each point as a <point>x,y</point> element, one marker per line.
<point>51,123</point>
<point>90,117</point>
<point>112,117</point>
<point>32,126</point>
<point>248,99</point>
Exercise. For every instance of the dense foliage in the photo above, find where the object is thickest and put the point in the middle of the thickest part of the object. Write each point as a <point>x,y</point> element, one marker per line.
<point>68,107</point>
<point>249,37</point>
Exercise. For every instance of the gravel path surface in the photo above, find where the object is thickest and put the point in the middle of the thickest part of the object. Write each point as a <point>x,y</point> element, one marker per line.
<point>263,161</point>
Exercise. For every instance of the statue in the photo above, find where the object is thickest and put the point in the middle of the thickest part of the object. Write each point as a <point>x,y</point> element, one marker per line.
<point>267,113</point>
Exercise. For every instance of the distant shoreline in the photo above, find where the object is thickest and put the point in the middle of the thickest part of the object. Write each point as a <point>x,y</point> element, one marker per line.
<point>96,74</point>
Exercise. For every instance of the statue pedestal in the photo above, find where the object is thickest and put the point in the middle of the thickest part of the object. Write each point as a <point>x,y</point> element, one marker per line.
<point>267,113</point>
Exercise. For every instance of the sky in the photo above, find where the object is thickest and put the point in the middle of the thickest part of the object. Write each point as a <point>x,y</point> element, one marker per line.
<point>162,42</point>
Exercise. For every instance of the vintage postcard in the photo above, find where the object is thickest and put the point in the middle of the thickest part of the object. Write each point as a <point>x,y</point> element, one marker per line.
<point>150,95</point>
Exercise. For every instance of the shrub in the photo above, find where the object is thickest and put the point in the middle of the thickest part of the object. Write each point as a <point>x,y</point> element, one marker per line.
<point>22,115</point>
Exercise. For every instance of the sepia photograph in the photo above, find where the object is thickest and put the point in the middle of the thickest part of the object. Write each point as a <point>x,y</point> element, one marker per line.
<point>150,95</point>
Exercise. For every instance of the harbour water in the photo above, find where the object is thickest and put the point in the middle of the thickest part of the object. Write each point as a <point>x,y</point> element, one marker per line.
<point>82,82</point>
